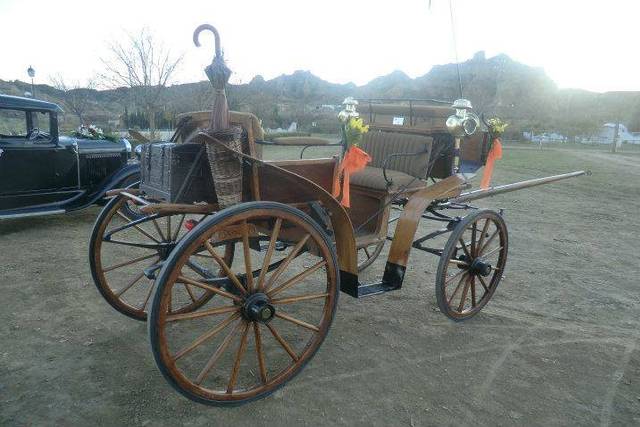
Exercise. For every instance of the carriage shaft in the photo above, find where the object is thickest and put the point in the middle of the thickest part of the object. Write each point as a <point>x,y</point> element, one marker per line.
<point>492,191</point>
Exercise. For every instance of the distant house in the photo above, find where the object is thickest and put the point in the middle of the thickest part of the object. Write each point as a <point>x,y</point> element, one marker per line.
<point>606,133</point>
<point>544,138</point>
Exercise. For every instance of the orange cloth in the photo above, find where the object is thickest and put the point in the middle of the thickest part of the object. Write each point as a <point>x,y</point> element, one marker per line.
<point>354,160</point>
<point>494,154</point>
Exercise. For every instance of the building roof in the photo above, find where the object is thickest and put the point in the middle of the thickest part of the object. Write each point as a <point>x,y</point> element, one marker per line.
<point>18,102</point>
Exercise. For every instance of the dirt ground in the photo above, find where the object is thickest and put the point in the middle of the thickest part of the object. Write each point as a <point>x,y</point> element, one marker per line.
<point>557,345</point>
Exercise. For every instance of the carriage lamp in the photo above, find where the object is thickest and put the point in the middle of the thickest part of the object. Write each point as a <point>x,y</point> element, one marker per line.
<point>349,110</point>
<point>463,122</point>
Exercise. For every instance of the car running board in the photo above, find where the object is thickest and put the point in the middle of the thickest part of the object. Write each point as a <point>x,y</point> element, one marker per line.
<point>30,214</point>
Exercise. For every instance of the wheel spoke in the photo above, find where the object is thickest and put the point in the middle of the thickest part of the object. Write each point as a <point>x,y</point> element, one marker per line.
<point>206,336</point>
<point>464,248</point>
<point>204,286</point>
<point>267,258</point>
<point>203,256</point>
<point>486,245</point>
<point>455,291</point>
<point>366,252</point>
<point>491,252</point>
<point>151,246</point>
<point>146,299</point>
<point>216,355</point>
<point>130,284</point>
<point>168,220</point>
<point>137,227</point>
<point>473,238</point>
<point>473,291</point>
<point>203,313</point>
<point>287,261</point>
<point>449,279</point>
<point>190,292</point>
<point>155,224</point>
<point>292,300</point>
<point>239,354</point>
<point>458,262</point>
<point>484,285</point>
<point>247,256</point>
<point>295,321</point>
<point>482,235</point>
<point>259,352</point>
<point>282,342</point>
<point>230,274</point>
<point>133,261</point>
<point>177,230</point>
<point>463,299</point>
<point>297,278</point>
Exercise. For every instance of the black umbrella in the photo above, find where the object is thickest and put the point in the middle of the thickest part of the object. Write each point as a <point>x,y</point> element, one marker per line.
<point>218,74</point>
<point>222,140</point>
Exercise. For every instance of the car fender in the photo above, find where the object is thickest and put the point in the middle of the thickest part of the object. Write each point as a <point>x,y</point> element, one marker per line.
<point>112,182</point>
<point>117,178</point>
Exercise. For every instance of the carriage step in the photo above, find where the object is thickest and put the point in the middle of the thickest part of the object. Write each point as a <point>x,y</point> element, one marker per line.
<point>369,289</point>
<point>391,281</point>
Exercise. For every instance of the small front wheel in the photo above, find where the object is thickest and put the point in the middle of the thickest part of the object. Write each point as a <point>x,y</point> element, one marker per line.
<point>273,308</point>
<point>472,264</point>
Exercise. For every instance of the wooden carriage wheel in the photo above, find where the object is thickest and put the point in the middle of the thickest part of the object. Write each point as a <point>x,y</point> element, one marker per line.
<point>271,316</point>
<point>368,254</point>
<point>472,264</point>
<point>125,255</point>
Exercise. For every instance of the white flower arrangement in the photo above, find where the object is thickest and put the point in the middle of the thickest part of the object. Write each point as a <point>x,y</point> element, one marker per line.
<point>92,132</point>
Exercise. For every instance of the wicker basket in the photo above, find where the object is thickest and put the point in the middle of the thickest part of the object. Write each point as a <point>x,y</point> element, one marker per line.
<point>226,167</point>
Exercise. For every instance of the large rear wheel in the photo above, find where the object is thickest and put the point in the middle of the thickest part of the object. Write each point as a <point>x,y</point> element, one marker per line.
<point>272,311</point>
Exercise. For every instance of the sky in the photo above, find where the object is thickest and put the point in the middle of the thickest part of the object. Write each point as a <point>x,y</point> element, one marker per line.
<point>584,44</point>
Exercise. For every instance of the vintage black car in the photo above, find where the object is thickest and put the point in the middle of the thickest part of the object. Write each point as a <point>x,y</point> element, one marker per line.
<point>43,173</point>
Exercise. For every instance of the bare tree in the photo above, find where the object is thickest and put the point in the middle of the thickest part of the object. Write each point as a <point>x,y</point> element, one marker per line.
<point>143,65</point>
<point>75,96</point>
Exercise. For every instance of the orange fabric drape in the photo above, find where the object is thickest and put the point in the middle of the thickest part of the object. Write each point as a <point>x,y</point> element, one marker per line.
<point>494,154</point>
<point>354,160</point>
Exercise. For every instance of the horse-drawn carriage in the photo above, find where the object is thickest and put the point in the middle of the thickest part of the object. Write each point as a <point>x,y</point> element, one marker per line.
<point>240,295</point>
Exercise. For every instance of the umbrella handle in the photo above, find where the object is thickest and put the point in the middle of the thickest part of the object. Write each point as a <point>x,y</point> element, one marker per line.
<point>211,28</point>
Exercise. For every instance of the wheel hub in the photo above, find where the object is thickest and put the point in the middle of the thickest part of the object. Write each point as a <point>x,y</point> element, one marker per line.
<point>481,267</point>
<point>165,249</point>
<point>257,308</point>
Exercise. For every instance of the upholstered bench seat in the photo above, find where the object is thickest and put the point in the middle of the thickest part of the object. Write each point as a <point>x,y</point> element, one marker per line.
<point>373,178</point>
<point>404,156</point>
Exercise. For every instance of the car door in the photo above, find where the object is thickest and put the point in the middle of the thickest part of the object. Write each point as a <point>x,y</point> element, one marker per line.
<point>27,165</point>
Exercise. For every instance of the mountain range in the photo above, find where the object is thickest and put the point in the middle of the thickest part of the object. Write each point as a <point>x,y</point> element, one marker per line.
<point>522,95</point>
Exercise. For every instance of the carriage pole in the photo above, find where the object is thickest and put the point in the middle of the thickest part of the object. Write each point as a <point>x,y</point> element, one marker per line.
<point>492,191</point>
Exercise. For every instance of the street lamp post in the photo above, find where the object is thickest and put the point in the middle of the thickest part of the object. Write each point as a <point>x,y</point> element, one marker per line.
<point>32,74</point>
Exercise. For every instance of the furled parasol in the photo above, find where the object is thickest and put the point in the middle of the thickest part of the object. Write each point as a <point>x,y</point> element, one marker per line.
<point>221,138</point>
<point>218,74</point>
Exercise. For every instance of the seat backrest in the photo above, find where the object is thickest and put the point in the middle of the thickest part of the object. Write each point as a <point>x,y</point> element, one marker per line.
<point>380,145</point>
<point>409,118</point>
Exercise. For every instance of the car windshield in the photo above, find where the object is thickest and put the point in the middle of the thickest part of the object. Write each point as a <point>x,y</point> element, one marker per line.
<point>20,125</point>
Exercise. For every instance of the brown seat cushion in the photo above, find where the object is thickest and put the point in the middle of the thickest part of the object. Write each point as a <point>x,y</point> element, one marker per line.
<point>373,178</point>
<point>380,145</point>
